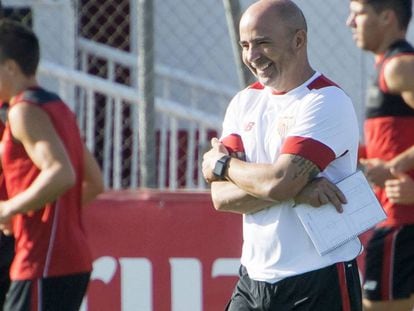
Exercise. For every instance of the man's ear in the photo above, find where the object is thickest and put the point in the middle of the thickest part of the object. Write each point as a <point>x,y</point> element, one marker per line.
<point>11,66</point>
<point>387,17</point>
<point>300,39</point>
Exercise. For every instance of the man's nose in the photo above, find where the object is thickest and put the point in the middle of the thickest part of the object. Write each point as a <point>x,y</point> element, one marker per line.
<point>350,21</point>
<point>252,53</point>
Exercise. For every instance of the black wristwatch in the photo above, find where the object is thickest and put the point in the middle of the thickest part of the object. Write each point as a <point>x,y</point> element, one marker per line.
<point>220,167</point>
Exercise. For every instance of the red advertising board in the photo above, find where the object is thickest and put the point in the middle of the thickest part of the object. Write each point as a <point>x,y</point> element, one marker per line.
<point>156,251</point>
<point>161,251</point>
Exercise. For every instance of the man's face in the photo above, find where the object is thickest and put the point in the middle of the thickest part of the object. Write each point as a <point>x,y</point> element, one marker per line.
<point>266,49</point>
<point>365,24</point>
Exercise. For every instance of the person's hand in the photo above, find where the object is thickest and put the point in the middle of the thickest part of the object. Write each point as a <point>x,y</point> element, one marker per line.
<point>321,191</point>
<point>402,162</point>
<point>210,158</point>
<point>400,190</point>
<point>377,171</point>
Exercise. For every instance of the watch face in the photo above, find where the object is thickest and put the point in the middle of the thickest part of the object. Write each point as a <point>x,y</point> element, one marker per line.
<point>220,166</point>
<point>218,169</point>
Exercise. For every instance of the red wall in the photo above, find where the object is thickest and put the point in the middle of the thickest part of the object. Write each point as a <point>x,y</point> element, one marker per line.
<point>162,251</point>
<point>161,245</point>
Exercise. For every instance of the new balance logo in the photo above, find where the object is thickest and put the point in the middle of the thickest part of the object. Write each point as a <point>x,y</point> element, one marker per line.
<point>249,126</point>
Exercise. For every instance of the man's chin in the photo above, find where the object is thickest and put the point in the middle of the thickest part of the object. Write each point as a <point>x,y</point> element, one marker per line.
<point>268,83</point>
<point>265,81</point>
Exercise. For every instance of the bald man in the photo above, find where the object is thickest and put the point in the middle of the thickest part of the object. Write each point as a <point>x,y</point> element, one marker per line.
<point>281,138</point>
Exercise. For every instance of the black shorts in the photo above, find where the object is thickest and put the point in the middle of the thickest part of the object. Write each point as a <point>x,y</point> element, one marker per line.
<point>334,288</point>
<point>7,254</point>
<point>389,264</point>
<point>62,293</point>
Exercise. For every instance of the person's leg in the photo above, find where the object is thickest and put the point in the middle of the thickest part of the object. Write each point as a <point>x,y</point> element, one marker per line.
<point>7,254</point>
<point>20,297</point>
<point>350,285</point>
<point>389,275</point>
<point>64,293</point>
<point>4,284</point>
<point>243,298</point>
<point>334,288</point>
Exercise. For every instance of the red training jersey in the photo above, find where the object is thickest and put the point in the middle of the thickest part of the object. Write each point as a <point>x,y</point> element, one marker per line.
<point>50,241</point>
<point>389,131</point>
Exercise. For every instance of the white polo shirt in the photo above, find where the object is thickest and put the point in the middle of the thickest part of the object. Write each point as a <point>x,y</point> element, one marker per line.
<point>316,121</point>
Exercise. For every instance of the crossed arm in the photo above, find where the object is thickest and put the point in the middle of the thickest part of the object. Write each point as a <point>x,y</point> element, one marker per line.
<point>392,176</point>
<point>251,187</point>
<point>32,127</point>
<point>400,189</point>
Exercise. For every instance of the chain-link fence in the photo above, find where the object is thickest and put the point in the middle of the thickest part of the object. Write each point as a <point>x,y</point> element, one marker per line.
<point>91,55</point>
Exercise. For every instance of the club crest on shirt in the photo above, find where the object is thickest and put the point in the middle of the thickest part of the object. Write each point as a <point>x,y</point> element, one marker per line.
<point>284,124</point>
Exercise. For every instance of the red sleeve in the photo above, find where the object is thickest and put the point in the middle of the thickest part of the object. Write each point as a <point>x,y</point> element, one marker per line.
<point>233,143</point>
<point>310,149</point>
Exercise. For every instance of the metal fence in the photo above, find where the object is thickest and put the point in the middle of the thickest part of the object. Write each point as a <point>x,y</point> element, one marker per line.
<point>92,54</point>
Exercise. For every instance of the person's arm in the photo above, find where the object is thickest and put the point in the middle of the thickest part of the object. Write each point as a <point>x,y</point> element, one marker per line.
<point>376,170</point>
<point>401,190</point>
<point>227,197</point>
<point>379,171</point>
<point>321,191</point>
<point>399,77</point>
<point>402,162</point>
<point>279,181</point>
<point>33,128</point>
<point>92,183</point>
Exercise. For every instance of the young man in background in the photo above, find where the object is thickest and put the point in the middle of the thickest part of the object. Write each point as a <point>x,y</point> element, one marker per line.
<point>278,135</point>
<point>49,176</point>
<point>380,27</point>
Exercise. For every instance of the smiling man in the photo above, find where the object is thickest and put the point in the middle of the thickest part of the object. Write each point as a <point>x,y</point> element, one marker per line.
<point>280,136</point>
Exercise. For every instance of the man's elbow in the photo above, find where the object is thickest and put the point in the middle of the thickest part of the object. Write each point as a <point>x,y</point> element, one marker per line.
<point>67,180</point>
<point>218,204</point>
<point>99,188</point>
<point>93,188</point>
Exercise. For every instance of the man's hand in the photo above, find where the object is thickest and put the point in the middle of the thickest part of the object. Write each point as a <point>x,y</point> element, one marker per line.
<point>210,158</point>
<point>402,162</point>
<point>400,190</point>
<point>321,191</point>
<point>377,171</point>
